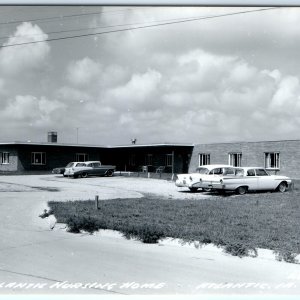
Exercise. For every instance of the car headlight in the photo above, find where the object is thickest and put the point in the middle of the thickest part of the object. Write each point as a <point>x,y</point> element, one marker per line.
<point>221,180</point>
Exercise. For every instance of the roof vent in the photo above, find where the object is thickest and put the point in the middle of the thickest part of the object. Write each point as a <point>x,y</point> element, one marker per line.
<point>133,141</point>
<point>52,137</point>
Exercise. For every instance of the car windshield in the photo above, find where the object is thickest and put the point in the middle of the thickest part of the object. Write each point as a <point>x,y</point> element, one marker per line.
<point>202,170</point>
<point>70,165</point>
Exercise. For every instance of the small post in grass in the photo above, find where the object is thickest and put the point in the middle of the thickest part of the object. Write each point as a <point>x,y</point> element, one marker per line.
<point>96,202</point>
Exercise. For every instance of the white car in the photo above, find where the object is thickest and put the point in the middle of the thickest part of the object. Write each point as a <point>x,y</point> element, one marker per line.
<point>193,180</point>
<point>247,179</point>
<point>72,166</point>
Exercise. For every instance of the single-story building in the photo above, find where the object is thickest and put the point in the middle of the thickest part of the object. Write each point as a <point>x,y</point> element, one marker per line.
<point>30,156</point>
<point>281,157</point>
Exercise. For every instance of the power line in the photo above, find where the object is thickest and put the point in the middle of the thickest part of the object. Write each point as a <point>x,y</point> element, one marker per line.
<point>61,17</point>
<point>141,27</point>
<point>98,27</point>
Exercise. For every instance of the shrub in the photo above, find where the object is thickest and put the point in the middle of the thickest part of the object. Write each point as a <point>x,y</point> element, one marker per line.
<point>149,234</point>
<point>77,223</point>
<point>236,250</point>
<point>286,256</point>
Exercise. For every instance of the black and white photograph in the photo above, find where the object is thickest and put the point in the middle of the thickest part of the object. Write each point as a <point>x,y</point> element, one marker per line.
<point>149,150</point>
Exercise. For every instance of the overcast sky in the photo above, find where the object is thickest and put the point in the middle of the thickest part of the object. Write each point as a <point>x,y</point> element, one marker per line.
<point>231,78</point>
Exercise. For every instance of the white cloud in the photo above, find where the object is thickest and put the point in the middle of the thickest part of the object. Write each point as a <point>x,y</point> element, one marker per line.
<point>24,58</point>
<point>139,91</point>
<point>286,100</point>
<point>83,72</point>
<point>28,108</point>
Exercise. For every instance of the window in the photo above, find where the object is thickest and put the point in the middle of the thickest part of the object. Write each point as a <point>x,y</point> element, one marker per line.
<point>239,172</point>
<point>272,160</point>
<point>229,171</point>
<point>261,172</point>
<point>235,159</point>
<point>204,159</point>
<point>202,170</point>
<point>38,158</point>
<point>169,160</point>
<point>216,171</point>
<point>82,157</point>
<point>149,160</point>
<point>4,156</point>
<point>251,172</point>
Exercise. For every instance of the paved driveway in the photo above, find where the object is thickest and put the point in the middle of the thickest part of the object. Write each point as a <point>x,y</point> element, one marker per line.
<point>35,259</point>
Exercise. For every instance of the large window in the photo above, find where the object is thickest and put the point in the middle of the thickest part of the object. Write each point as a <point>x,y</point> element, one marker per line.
<point>4,156</point>
<point>169,160</point>
<point>272,160</point>
<point>204,159</point>
<point>38,158</point>
<point>82,157</point>
<point>235,159</point>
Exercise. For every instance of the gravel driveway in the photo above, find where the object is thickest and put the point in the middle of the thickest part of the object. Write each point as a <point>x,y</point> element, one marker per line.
<point>57,187</point>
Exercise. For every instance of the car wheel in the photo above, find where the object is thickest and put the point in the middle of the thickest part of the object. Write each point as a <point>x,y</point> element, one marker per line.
<point>282,187</point>
<point>241,190</point>
<point>84,175</point>
<point>109,173</point>
<point>193,189</point>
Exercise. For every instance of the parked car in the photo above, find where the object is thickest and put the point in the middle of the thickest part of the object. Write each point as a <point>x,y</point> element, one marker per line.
<point>247,179</point>
<point>89,168</point>
<point>193,180</point>
<point>61,170</point>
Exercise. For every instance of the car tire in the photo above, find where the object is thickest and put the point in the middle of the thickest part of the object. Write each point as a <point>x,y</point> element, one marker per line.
<point>84,175</point>
<point>282,187</point>
<point>109,173</point>
<point>241,190</point>
<point>193,189</point>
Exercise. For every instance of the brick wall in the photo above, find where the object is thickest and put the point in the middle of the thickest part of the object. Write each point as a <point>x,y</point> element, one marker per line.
<point>13,159</point>
<point>253,154</point>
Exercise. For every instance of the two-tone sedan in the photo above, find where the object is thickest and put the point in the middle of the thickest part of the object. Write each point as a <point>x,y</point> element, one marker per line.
<point>89,168</point>
<point>193,180</point>
<point>247,179</point>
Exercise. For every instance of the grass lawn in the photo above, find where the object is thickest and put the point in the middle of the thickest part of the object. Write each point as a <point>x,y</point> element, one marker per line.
<point>237,223</point>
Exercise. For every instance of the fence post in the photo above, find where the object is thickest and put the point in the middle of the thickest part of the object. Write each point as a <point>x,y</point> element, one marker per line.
<point>96,202</point>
